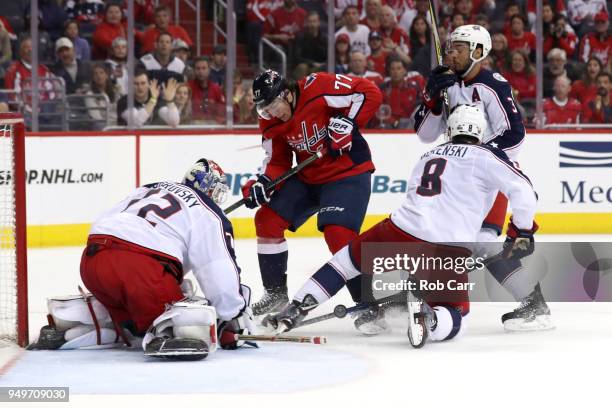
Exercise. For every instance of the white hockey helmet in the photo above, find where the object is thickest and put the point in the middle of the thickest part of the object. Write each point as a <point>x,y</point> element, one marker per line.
<point>208,177</point>
<point>466,120</point>
<point>475,36</point>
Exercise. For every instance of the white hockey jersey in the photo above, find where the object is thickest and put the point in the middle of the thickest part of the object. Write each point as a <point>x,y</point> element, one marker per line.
<point>452,188</point>
<point>174,69</point>
<point>492,93</point>
<point>186,225</point>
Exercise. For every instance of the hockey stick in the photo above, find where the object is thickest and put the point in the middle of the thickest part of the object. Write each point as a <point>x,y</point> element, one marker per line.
<point>341,311</point>
<point>438,46</point>
<point>288,339</point>
<point>279,180</point>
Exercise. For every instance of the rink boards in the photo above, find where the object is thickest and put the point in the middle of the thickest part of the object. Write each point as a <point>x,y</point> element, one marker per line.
<point>72,178</point>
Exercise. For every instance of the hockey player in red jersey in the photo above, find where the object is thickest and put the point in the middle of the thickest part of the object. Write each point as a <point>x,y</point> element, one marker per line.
<point>467,82</point>
<point>320,113</point>
<point>448,194</point>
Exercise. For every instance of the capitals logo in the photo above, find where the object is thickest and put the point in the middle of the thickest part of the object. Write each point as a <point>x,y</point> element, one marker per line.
<point>304,142</point>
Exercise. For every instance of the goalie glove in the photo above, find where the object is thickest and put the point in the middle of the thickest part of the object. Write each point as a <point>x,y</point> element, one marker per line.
<point>340,132</point>
<point>519,242</point>
<point>242,324</point>
<point>255,192</point>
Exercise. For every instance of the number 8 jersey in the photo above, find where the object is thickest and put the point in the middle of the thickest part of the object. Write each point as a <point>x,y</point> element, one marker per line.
<point>452,188</point>
<point>186,225</point>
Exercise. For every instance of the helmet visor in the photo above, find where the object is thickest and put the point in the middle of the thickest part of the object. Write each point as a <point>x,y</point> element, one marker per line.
<point>271,110</point>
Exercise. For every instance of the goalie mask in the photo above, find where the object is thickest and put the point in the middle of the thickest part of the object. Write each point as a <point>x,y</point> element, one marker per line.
<point>207,177</point>
<point>466,120</point>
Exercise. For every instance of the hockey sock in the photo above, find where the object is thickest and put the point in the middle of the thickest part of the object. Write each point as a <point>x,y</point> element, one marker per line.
<point>273,263</point>
<point>510,274</point>
<point>448,323</point>
<point>337,237</point>
<point>324,284</point>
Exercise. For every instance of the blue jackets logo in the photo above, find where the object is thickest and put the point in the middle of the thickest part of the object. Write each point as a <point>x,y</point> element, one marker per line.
<point>585,154</point>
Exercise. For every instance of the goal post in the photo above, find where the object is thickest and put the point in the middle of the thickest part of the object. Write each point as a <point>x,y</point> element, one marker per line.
<point>13,243</point>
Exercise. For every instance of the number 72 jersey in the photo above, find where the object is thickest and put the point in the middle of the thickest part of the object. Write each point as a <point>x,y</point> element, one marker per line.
<point>452,188</point>
<point>177,222</point>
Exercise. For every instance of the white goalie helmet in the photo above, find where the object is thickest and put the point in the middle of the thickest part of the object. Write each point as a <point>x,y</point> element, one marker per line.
<point>475,36</point>
<point>466,120</point>
<point>208,177</point>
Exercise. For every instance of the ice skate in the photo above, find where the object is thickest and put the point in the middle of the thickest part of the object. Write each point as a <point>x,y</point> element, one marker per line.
<point>532,315</point>
<point>272,301</point>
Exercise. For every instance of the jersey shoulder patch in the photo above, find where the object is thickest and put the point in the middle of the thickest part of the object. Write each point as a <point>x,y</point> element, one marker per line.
<point>499,77</point>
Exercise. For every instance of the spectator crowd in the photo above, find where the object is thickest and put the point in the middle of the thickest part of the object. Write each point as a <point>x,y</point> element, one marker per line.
<point>82,53</point>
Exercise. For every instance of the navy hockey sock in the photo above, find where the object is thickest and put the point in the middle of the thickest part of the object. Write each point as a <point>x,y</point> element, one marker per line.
<point>273,269</point>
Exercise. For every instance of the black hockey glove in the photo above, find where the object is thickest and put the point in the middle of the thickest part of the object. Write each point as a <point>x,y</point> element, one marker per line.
<point>519,242</point>
<point>441,77</point>
<point>255,192</point>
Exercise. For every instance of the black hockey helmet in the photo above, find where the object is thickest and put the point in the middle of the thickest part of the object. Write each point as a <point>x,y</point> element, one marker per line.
<point>268,86</point>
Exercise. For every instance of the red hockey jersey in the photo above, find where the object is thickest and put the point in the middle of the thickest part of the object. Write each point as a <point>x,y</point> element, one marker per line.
<point>321,96</point>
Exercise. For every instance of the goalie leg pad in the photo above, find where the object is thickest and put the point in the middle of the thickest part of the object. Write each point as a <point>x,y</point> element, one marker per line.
<point>72,318</point>
<point>190,319</point>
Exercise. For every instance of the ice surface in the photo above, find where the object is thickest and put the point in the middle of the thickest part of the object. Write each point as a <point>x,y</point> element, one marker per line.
<point>566,367</point>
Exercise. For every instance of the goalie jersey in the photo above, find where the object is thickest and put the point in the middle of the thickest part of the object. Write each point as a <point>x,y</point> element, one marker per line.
<point>490,92</point>
<point>452,188</point>
<point>181,223</point>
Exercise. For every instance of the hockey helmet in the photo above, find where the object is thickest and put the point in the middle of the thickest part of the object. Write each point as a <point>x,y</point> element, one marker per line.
<point>267,87</point>
<point>208,177</point>
<point>475,36</point>
<point>466,120</point>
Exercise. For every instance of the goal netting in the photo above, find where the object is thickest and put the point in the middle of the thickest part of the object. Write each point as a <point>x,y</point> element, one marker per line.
<point>13,277</point>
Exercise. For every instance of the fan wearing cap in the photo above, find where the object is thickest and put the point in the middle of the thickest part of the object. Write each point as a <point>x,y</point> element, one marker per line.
<point>343,51</point>
<point>320,113</point>
<point>75,73</point>
<point>598,44</point>
<point>163,19</point>
<point>218,61</point>
<point>466,81</point>
<point>377,59</point>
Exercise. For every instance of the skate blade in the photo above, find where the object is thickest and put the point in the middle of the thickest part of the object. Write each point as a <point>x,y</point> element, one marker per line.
<point>540,323</point>
<point>184,355</point>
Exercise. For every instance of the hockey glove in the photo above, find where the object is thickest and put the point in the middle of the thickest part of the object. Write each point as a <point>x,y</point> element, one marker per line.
<point>255,192</point>
<point>242,324</point>
<point>519,242</point>
<point>340,132</point>
<point>441,77</point>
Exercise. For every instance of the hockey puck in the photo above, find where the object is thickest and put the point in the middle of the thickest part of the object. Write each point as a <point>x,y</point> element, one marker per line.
<point>340,311</point>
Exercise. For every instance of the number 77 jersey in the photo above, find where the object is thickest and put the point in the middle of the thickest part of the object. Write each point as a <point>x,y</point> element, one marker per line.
<point>321,96</point>
<point>452,188</point>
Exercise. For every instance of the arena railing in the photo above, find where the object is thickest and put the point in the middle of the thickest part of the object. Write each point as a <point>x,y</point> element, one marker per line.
<point>275,48</point>
<point>230,38</point>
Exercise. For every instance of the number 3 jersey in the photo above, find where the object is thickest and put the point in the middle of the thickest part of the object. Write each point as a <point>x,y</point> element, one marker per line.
<point>184,224</point>
<point>490,92</point>
<point>321,96</point>
<point>452,188</point>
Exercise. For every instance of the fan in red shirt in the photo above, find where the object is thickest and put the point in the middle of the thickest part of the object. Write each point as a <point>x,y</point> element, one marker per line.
<point>402,93</point>
<point>600,110</point>
<point>162,24</point>
<point>320,113</point>
<point>585,89</point>
<point>561,109</point>
<point>283,23</point>
<point>521,76</point>
<point>599,43</point>
<point>377,60</point>
<point>519,39</point>
<point>111,28</point>
<point>561,36</point>
<point>395,39</point>
<point>207,98</point>
<point>372,15</point>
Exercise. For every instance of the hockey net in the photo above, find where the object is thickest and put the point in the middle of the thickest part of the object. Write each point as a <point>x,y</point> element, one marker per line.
<point>13,275</point>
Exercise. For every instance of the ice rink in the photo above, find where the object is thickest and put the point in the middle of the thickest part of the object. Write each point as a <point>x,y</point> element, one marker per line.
<point>567,367</point>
